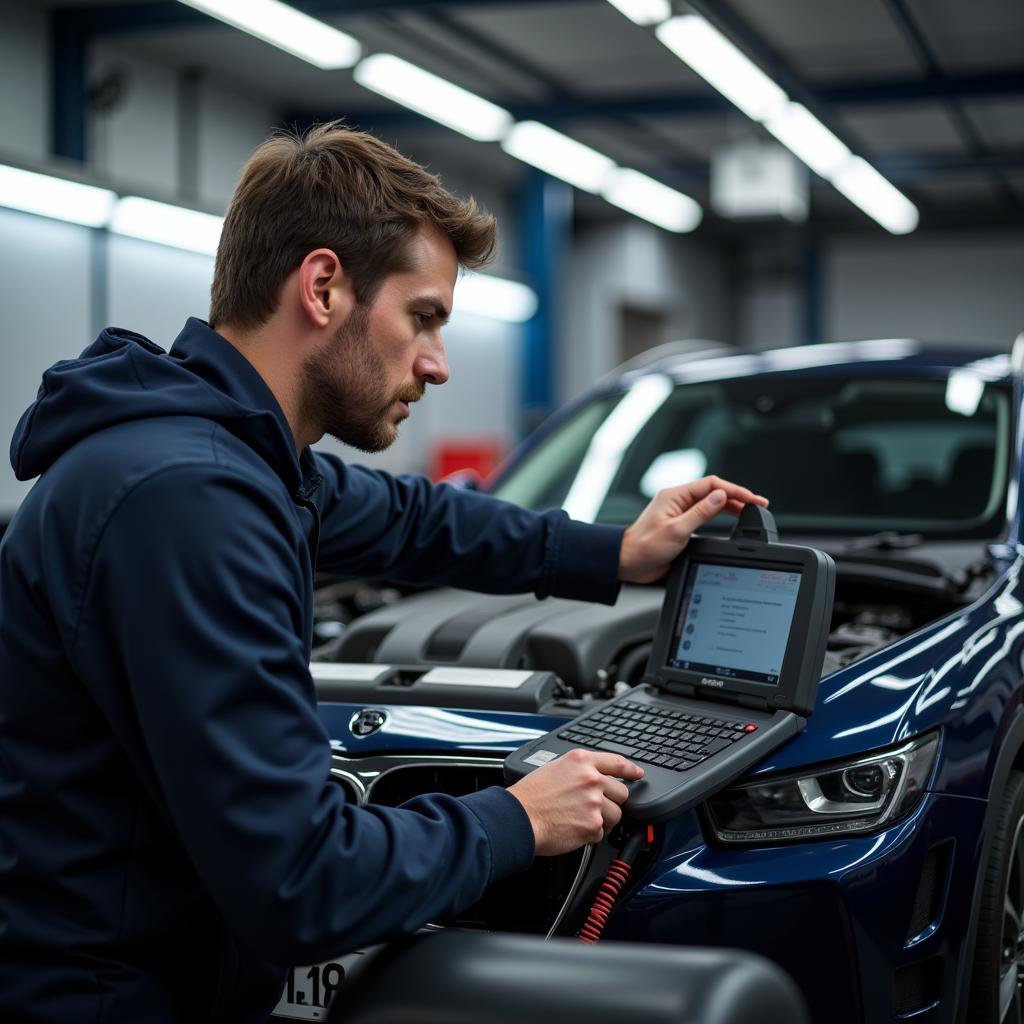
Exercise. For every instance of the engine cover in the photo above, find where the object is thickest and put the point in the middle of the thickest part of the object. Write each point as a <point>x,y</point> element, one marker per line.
<point>578,641</point>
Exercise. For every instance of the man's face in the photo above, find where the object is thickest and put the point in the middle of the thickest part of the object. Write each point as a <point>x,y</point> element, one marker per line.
<point>359,386</point>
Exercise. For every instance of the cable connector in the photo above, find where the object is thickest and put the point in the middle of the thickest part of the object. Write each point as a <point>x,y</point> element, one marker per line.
<point>615,880</point>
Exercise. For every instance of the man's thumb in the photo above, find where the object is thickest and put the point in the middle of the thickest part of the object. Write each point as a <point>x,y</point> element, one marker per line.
<point>706,509</point>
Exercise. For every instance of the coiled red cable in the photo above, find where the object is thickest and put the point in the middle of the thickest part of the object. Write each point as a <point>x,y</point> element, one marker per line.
<point>614,881</point>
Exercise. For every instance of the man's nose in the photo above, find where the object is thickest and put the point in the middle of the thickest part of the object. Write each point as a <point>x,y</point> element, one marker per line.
<point>432,362</point>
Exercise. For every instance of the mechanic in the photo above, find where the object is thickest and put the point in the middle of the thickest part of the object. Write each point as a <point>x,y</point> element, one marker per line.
<point>169,836</point>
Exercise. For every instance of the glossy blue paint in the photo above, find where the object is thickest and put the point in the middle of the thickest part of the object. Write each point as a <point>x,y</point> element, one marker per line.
<point>838,914</point>
<point>414,729</point>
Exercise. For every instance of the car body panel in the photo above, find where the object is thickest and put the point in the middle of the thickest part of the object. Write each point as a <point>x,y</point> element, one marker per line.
<point>851,918</point>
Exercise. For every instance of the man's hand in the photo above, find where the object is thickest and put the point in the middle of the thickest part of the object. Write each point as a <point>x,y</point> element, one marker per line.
<point>663,529</point>
<point>576,799</point>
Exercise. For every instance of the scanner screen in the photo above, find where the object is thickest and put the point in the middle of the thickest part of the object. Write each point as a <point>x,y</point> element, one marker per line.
<point>734,621</point>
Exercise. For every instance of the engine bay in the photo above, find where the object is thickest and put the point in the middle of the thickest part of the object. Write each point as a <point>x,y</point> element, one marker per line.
<point>575,655</point>
<point>595,649</point>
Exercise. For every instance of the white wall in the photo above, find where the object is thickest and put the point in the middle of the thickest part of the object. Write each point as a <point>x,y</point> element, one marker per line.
<point>936,287</point>
<point>638,265</point>
<point>961,287</point>
<point>24,81</point>
<point>153,289</point>
<point>769,313</point>
<point>56,281</point>
<point>44,295</point>
<point>47,297</point>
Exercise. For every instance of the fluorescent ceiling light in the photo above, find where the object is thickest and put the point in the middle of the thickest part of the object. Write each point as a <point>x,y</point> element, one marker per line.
<point>496,297</point>
<point>558,155</point>
<point>55,197</point>
<point>802,133</point>
<point>166,224</point>
<point>286,28</point>
<point>880,200</point>
<point>698,43</point>
<point>651,200</point>
<point>644,12</point>
<point>433,97</point>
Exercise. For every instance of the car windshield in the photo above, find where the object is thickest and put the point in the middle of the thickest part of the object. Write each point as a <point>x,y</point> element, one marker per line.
<point>834,455</point>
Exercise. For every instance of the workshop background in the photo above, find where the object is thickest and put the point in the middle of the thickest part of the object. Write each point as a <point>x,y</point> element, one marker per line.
<point>910,224</point>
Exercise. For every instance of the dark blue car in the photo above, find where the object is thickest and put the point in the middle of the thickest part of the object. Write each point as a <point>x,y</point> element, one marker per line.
<point>878,856</point>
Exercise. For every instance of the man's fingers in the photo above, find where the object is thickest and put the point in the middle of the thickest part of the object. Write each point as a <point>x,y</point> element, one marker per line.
<point>611,815</point>
<point>736,492</point>
<point>615,790</point>
<point>700,489</point>
<point>703,512</point>
<point>615,765</point>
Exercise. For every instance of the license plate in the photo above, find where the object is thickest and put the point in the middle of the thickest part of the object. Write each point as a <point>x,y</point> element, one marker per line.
<point>309,991</point>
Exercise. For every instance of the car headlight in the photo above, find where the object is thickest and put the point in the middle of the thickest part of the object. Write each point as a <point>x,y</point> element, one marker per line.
<point>850,798</point>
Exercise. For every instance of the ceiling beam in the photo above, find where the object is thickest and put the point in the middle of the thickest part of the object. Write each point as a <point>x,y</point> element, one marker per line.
<point>885,92</point>
<point>107,19</point>
<point>910,29</point>
<point>899,168</point>
<point>72,29</point>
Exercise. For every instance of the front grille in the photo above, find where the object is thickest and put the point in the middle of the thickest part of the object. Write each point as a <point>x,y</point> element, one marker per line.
<point>527,902</point>
<point>396,785</point>
<point>348,787</point>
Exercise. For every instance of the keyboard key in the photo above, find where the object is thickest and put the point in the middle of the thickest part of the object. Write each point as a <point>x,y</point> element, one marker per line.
<point>619,748</point>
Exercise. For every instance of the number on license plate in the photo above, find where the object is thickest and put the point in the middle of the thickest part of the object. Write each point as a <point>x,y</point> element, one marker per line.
<point>309,991</point>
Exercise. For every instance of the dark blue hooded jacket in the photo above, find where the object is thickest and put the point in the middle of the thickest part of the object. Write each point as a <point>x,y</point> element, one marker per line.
<point>168,833</point>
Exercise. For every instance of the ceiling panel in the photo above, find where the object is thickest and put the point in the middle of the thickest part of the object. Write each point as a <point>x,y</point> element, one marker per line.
<point>590,49</point>
<point>527,52</point>
<point>1001,122</point>
<point>981,33</point>
<point>700,137</point>
<point>830,39</point>
<point>970,189</point>
<point>908,129</point>
<point>430,43</point>
<point>261,71</point>
<point>632,143</point>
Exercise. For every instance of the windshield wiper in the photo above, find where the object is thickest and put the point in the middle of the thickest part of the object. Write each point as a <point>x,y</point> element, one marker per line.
<point>887,540</point>
<point>861,549</point>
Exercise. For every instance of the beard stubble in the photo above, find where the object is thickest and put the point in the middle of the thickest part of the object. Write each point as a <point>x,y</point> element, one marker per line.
<point>345,390</point>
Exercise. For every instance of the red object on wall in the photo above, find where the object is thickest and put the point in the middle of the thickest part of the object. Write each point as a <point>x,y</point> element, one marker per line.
<point>481,455</point>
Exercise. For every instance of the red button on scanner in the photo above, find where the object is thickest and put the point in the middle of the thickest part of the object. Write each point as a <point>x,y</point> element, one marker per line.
<point>750,727</point>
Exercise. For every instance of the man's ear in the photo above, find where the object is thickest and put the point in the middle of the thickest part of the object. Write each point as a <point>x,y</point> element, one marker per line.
<point>325,292</point>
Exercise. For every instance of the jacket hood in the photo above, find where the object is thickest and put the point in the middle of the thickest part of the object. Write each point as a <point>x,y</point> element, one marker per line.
<point>123,376</point>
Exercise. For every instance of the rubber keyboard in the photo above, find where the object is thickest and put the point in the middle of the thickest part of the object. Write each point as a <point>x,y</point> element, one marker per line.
<point>676,740</point>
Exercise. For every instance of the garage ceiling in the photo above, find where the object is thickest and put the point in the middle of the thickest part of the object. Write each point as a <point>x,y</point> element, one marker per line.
<point>930,91</point>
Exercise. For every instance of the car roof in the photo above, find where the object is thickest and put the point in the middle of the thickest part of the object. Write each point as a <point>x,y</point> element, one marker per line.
<point>897,357</point>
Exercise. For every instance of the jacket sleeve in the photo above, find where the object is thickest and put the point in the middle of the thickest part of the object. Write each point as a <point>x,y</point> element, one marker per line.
<point>406,528</point>
<point>193,608</point>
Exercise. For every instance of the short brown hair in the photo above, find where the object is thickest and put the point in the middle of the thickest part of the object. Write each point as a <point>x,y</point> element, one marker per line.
<point>337,189</point>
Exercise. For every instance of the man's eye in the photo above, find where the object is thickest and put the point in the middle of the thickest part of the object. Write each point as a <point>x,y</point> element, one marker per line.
<point>424,318</point>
